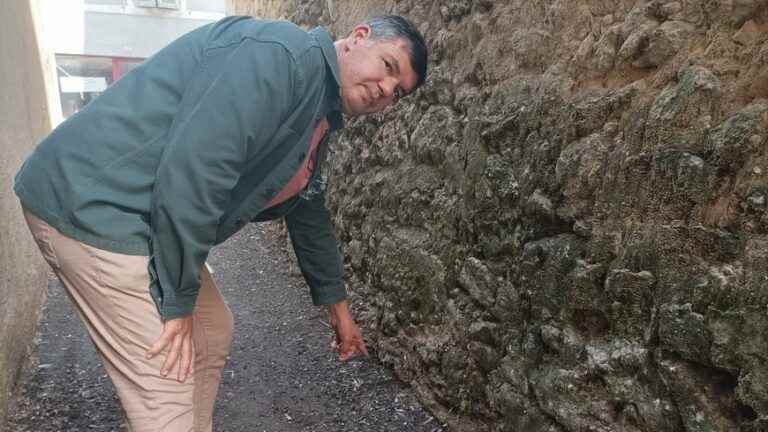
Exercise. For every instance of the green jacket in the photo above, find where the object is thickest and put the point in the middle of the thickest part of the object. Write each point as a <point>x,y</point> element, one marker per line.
<point>187,148</point>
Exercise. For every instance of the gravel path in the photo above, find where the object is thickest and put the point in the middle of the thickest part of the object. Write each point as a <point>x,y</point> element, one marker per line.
<point>281,375</point>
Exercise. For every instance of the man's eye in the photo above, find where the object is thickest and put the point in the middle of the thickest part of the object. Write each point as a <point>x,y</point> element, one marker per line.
<point>387,65</point>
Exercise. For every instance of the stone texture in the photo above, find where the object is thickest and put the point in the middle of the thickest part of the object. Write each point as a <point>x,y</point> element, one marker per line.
<point>25,119</point>
<point>566,228</point>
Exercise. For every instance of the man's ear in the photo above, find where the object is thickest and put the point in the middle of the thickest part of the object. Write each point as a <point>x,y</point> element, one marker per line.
<point>361,33</point>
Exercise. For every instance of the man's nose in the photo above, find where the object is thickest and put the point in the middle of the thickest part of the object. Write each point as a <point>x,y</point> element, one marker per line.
<point>388,87</point>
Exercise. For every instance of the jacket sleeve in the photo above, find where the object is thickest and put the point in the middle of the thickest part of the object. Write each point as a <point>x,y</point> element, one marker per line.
<point>236,101</point>
<point>317,250</point>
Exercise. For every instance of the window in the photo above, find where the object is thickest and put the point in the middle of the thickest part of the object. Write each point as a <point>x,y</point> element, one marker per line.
<point>106,2</point>
<point>83,78</point>
<point>169,4</point>
<point>165,4</point>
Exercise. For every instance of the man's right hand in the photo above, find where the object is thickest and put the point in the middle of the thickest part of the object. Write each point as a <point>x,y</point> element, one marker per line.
<point>349,339</point>
<point>177,337</point>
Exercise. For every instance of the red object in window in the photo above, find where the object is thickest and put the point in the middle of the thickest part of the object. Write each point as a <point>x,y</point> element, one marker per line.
<point>117,69</point>
<point>121,66</point>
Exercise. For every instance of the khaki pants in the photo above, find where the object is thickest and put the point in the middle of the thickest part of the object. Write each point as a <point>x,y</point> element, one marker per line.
<point>111,294</point>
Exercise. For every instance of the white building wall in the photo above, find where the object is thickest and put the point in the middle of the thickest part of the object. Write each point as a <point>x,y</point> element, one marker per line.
<point>115,35</point>
<point>120,28</point>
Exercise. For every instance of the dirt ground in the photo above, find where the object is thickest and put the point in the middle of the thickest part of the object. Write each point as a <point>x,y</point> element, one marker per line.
<point>281,375</point>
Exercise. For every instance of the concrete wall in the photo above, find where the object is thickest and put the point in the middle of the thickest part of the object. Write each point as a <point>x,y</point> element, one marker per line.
<point>24,76</point>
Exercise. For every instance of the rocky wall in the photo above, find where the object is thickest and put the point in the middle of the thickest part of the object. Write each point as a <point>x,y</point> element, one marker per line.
<point>566,228</point>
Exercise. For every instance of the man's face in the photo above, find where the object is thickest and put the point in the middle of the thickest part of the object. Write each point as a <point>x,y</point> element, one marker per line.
<point>374,74</point>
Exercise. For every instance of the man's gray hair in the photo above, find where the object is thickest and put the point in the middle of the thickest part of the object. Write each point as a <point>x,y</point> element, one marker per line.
<point>392,27</point>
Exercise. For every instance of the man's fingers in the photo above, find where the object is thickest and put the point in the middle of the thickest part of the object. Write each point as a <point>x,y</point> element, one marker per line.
<point>350,349</point>
<point>172,357</point>
<point>337,336</point>
<point>186,359</point>
<point>176,340</point>
<point>346,353</point>
<point>344,350</point>
<point>348,340</point>
<point>194,356</point>
<point>157,347</point>
<point>360,346</point>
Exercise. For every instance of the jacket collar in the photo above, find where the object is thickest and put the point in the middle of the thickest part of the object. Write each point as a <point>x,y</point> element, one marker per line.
<point>335,118</point>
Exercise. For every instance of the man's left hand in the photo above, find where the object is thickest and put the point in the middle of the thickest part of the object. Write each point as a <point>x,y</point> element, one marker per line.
<point>349,339</point>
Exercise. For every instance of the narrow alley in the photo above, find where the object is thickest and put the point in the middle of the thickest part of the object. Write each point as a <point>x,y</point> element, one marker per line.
<point>281,375</point>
